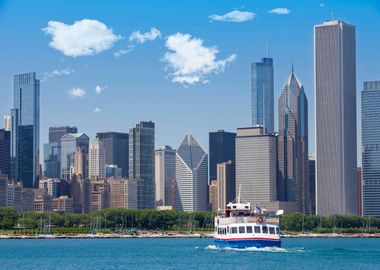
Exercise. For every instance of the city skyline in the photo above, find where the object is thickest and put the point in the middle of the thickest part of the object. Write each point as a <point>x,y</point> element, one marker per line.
<point>60,73</point>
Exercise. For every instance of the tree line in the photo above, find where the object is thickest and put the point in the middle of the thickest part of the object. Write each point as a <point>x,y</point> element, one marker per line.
<point>118,220</point>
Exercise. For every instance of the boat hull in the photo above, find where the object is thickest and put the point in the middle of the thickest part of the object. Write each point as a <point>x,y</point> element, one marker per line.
<point>247,243</point>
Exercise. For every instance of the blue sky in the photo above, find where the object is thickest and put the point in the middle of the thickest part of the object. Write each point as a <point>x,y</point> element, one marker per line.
<point>197,90</point>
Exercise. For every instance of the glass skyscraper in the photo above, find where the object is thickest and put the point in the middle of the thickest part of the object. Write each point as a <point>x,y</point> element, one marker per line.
<point>25,148</point>
<point>335,117</point>
<point>262,94</point>
<point>293,178</point>
<point>141,163</point>
<point>221,149</point>
<point>371,148</point>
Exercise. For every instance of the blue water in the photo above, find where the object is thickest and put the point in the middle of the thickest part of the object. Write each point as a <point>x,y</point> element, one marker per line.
<point>186,254</point>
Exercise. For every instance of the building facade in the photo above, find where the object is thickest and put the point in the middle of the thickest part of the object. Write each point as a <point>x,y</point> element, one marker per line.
<point>5,152</point>
<point>226,184</point>
<point>213,196</point>
<point>371,149</point>
<point>335,114</point>
<point>25,145</point>
<point>116,150</point>
<point>262,79</point>
<point>221,149</point>
<point>141,162</point>
<point>73,145</point>
<point>191,176</point>
<point>164,174</point>
<point>293,160</point>
<point>96,160</point>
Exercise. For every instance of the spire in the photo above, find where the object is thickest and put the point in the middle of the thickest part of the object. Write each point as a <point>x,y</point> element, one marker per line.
<point>292,68</point>
<point>267,49</point>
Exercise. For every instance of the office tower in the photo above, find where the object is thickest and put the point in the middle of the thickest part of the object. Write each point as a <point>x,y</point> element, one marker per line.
<point>56,133</point>
<point>51,186</point>
<point>191,176</point>
<point>74,149</point>
<point>213,195</point>
<point>293,178</point>
<point>335,113</point>
<point>123,193</point>
<point>256,165</point>
<point>226,184</point>
<point>41,201</point>
<point>116,148</point>
<point>99,195</point>
<point>62,204</point>
<point>5,152</point>
<point>7,122</point>
<point>221,149</point>
<point>80,193</point>
<point>141,162</point>
<point>96,160</point>
<point>26,129</point>
<point>113,171</point>
<point>164,174</point>
<point>262,94</point>
<point>3,190</point>
<point>312,185</point>
<point>371,148</point>
<point>359,173</point>
<point>52,150</point>
<point>14,191</point>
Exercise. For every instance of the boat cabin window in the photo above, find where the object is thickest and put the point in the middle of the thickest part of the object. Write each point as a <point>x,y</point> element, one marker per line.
<point>277,230</point>
<point>241,229</point>
<point>249,229</point>
<point>265,229</point>
<point>271,230</point>
<point>233,230</point>
<point>257,229</point>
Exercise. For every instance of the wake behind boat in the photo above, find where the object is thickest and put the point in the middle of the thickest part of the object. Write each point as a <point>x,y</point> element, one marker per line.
<point>242,227</point>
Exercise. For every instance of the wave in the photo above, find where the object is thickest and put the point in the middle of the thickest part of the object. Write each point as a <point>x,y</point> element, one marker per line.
<point>255,249</point>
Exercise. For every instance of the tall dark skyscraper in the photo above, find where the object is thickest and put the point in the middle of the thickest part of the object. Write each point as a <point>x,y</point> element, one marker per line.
<point>335,115</point>
<point>221,149</point>
<point>116,149</point>
<point>371,149</point>
<point>52,150</point>
<point>5,151</point>
<point>141,163</point>
<point>25,146</point>
<point>262,94</point>
<point>293,179</point>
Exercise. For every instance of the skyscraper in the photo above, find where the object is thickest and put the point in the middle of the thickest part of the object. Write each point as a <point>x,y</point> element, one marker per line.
<point>141,162</point>
<point>56,133</point>
<point>72,146</point>
<point>5,152</point>
<point>164,174</point>
<point>371,149</point>
<point>226,184</point>
<point>26,129</point>
<point>335,113</point>
<point>262,94</point>
<point>293,178</point>
<point>96,160</point>
<point>191,176</point>
<point>116,149</point>
<point>221,149</point>
<point>7,123</point>
<point>312,183</point>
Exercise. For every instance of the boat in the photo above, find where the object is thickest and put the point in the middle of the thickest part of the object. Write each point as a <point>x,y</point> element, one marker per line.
<point>243,226</point>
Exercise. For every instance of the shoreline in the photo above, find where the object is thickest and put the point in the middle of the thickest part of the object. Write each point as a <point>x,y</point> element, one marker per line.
<point>173,236</point>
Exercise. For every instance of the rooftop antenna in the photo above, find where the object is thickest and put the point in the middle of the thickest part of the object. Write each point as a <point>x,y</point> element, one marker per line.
<point>292,68</point>
<point>267,49</point>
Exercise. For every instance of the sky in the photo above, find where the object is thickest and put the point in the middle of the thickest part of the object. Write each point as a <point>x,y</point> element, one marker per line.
<point>106,65</point>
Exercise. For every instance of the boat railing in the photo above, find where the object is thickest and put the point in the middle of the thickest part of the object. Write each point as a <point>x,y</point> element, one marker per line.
<point>244,219</point>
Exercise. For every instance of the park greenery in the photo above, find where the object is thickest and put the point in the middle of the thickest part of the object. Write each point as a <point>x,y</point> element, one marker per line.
<point>127,221</point>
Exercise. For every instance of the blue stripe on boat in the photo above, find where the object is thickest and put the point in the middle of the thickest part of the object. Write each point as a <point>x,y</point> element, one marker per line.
<point>247,243</point>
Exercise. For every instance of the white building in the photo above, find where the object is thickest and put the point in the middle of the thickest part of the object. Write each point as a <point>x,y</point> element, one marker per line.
<point>191,176</point>
<point>96,160</point>
<point>164,174</point>
<point>51,186</point>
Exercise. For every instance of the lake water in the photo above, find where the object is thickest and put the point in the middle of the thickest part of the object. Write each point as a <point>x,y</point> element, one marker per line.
<point>186,254</point>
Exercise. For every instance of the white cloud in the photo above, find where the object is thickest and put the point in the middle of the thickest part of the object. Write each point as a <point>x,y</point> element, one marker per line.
<point>234,16</point>
<point>279,11</point>
<point>122,52</point>
<point>97,109</point>
<point>189,61</point>
<point>85,37</point>
<point>322,5</point>
<point>55,73</point>
<point>138,37</point>
<point>99,89</point>
<point>76,92</point>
